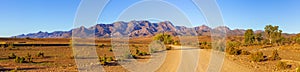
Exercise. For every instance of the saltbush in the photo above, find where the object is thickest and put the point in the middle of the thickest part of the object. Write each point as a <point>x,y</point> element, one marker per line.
<point>283,65</point>
<point>40,54</point>
<point>142,53</point>
<point>169,48</point>
<point>19,59</point>
<point>245,52</point>
<point>275,56</point>
<point>12,56</point>
<point>28,57</point>
<point>110,50</point>
<point>257,57</point>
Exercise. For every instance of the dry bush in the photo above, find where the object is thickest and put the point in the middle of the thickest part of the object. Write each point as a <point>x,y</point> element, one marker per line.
<point>275,56</point>
<point>257,57</point>
<point>101,46</point>
<point>245,52</point>
<point>283,65</point>
<point>28,58</point>
<point>20,60</point>
<point>233,51</point>
<point>169,48</point>
<point>142,53</point>
<point>110,50</point>
<point>12,56</point>
<point>40,54</point>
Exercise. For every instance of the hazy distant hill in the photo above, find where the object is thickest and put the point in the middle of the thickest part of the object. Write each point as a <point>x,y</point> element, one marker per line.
<point>134,29</point>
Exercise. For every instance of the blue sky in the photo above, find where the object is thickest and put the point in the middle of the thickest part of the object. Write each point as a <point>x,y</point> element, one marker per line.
<point>30,16</point>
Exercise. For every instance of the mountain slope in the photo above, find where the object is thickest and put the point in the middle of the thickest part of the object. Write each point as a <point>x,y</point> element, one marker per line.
<point>132,29</point>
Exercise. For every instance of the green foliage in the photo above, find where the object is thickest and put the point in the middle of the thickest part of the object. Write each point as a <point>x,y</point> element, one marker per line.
<point>40,54</point>
<point>249,37</point>
<point>259,38</point>
<point>283,65</point>
<point>275,56</point>
<point>205,45</point>
<point>167,39</point>
<point>257,57</point>
<point>232,49</point>
<point>20,60</point>
<point>105,60</point>
<point>176,43</point>
<point>273,34</point>
<point>12,56</point>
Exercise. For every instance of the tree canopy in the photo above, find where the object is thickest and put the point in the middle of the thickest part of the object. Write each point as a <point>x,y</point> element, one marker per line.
<point>273,34</point>
<point>249,37</point>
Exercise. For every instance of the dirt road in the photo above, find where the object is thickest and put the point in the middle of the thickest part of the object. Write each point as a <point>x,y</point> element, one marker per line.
<point>191,59</point>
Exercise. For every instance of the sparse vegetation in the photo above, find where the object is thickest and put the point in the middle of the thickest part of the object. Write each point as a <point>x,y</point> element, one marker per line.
<point>101,46</point>
<point>28,58</point>
<point>169,48</point>
<point>10,46</point>
<point>12,56</point>
<point>165,38</point>
<point>110,50</point>
<point>283,65</point>
<point>40,54</point>
<point>257,57</point>
<point>20,60</point>
<point>275,56</point>
<point>142,53</point>
<point>245,52</point>
<point>232,49</point>
<point>103,60</point>
<point>205,45</point>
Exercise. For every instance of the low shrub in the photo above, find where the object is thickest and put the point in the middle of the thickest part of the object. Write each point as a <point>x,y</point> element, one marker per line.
<point>169,48</point>
<point>137,51</point>
<point>275,56</point>
<point>283,65</point>
<point>233,51</point>
<point>28,57</point>
<point>109,59</point>
<point>20,60</point>
<point>10,46</point>
<point>12,56</point>
<point>110,50</point>
<point>40,54</point>
<point>245,52</point>
<point>142,53</point>
<point>103,60</point>
<point>257,57</point>
<point>101,46</point>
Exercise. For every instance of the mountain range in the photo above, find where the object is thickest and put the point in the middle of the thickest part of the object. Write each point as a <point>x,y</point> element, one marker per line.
<point>135,29</point>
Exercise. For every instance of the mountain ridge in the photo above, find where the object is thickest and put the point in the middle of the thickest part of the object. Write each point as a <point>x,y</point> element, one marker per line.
<point>141,28</point>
